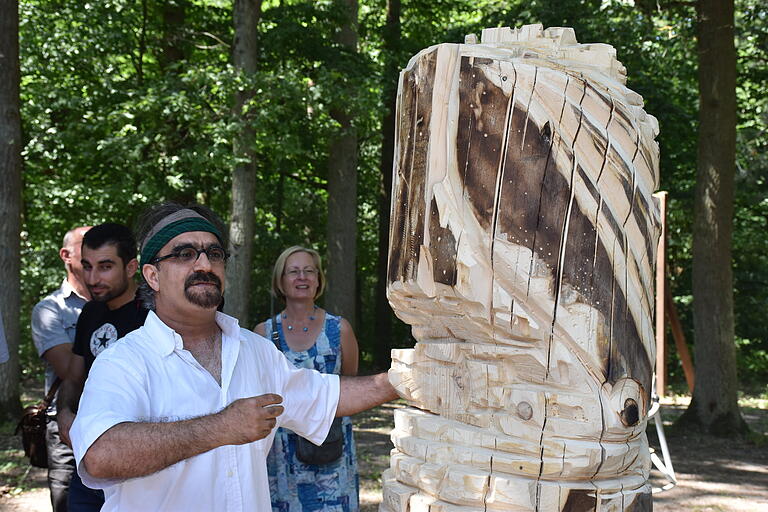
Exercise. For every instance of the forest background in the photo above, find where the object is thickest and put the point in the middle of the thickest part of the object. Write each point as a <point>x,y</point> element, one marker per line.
<point>278,115</point>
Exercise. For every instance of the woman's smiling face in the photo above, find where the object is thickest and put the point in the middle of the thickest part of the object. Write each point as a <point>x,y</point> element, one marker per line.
<point>299,279</point>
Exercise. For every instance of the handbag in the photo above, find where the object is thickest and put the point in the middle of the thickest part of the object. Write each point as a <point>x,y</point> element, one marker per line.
<point>330,451</point>
<point>32,426</point>
<point>306,451</point>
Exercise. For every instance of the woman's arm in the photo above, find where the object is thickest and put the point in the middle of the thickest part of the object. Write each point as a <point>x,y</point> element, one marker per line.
<point>349,350</point>
<point>261,329</point>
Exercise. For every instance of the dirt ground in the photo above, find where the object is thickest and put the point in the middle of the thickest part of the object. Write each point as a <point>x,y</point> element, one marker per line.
<point>713,475</point>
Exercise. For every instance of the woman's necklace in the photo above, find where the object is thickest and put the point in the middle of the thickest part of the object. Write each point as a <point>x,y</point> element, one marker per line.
<point>306,327</point>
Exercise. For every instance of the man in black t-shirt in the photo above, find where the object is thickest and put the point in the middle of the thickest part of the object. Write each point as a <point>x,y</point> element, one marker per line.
<point>109,265</point>
<point>101,327</point>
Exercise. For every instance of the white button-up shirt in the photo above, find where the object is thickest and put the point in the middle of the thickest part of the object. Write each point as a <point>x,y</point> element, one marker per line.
<point>150,377</point>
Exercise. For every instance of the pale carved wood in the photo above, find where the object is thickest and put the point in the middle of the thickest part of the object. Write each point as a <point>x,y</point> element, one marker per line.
<point>522,247</point>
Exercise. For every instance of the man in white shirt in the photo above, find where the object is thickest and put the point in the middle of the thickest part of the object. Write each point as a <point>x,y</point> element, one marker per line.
<point>180,415</point>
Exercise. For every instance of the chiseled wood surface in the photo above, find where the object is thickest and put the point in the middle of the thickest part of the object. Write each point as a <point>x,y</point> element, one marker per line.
<point>522,246</point>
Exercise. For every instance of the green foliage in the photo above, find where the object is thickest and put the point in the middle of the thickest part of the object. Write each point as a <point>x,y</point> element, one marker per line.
<point>127,103</point>
<point>14,468</point>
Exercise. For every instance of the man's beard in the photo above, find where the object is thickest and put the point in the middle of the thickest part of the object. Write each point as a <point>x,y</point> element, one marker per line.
<point>111,293</point>
<point>210,297</point>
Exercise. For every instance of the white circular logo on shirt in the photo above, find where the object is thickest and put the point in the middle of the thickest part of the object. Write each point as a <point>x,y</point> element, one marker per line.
<point>102,338</point>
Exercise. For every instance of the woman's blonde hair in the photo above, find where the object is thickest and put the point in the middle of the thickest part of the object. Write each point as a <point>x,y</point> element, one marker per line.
<point>277,272</point>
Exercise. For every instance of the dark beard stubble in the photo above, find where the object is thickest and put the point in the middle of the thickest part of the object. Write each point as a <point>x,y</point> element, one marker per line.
<point>208,299</point>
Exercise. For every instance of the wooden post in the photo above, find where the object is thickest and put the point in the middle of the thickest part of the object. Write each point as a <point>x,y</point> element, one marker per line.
<point>679,336</point>
<point>523,238</point>
<point>667,312</point>
<point>661,286</point>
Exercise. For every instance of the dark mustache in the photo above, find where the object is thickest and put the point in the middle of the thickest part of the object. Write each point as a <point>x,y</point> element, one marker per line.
<point>202,277</point>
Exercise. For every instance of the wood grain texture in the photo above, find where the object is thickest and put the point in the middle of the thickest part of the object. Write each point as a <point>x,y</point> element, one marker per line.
<point>522,244</point>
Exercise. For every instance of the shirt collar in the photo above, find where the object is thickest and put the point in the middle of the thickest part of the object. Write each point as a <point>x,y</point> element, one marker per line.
<point>165,340</point>
<point>229,325</point>
<point>67,289</point>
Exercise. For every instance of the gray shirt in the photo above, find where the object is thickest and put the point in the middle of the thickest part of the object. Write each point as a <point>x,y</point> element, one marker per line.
<point>53,323</point>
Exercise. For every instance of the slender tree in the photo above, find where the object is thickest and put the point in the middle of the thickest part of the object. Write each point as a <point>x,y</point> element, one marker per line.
<point>172,47</point>
<point>10,202</point>
<point>342,194</point>
<point>241,229</point>
<point>714,405</point>
<point>383,318</point>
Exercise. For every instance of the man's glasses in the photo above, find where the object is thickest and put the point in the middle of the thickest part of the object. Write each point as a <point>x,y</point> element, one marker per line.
<point>189,254</point>
<point>296,272</point>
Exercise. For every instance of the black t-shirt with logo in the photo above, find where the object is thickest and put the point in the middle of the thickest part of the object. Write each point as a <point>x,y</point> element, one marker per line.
<point>99,327</point>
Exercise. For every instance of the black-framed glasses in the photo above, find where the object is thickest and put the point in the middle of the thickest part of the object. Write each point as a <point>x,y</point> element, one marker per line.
<point>190,254</point>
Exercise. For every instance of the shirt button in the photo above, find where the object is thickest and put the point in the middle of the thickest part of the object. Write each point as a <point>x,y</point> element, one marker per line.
<point>229,473</point>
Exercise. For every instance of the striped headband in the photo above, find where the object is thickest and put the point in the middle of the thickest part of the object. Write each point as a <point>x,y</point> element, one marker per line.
<point>182,221</point>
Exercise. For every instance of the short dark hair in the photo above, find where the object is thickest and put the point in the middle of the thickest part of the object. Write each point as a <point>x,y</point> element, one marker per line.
<point>154,214</point>
<point>113,234</point>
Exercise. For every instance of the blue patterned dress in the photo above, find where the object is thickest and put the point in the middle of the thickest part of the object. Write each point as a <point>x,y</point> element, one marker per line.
<point>293,485</point>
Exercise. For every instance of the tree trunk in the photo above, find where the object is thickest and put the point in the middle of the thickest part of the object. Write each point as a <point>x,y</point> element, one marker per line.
<point>10,203</point>
<point>383,320</point>
<point>173,49</point>
<point>245,54</point>
<point>142,43</point>
<point>342,197</point>
<point>714,406</point>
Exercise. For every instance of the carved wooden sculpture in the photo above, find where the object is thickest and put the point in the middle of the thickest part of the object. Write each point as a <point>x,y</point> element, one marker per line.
<point>521,252</point>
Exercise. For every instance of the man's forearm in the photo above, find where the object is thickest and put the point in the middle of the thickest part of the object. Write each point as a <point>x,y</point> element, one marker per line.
<point>66,407</point>
<point>130,450</point>
<point>59,357</point>
<point>69,395</point>
<point>361,393</point>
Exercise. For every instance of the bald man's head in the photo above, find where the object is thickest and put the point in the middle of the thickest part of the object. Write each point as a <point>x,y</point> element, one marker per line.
<point>70,252</point>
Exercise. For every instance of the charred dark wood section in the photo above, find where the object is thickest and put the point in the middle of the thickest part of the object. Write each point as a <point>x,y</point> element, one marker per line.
<point>413,130</point>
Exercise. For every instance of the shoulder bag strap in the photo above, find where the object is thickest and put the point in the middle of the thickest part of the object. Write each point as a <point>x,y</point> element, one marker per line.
<point>275,334</point>
<point>52,392</point>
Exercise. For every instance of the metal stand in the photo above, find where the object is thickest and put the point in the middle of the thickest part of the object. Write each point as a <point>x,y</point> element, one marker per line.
<point>666,466</point>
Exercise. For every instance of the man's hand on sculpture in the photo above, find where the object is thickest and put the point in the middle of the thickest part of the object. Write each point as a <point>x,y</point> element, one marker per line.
<point>250,419</point>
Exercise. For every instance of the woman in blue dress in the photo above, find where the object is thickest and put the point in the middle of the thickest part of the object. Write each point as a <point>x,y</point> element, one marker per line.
<point>310,337</point>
